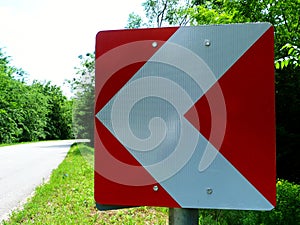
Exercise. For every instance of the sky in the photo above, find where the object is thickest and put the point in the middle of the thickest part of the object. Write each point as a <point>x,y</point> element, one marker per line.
<point>45,37</point>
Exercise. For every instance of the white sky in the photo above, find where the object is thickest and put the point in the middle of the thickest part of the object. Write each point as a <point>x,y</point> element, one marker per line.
<point>45,37</point>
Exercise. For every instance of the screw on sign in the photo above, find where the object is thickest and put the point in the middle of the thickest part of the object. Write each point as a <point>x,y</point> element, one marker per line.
<point>184,117</point>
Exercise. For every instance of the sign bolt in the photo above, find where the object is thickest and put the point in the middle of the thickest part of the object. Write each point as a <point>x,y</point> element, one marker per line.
<point>154,44</point>
<point>155,188</point>
<point>209,191</point>
<point>207,43</point>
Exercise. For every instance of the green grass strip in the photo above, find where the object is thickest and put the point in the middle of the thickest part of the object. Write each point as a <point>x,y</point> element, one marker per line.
<point>68,198</point>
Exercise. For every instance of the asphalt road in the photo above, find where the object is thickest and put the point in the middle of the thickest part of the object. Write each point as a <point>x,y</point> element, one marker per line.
<point>25,166</point>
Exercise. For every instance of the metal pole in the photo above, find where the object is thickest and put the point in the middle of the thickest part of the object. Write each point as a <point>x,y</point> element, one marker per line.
<point>178,216</point>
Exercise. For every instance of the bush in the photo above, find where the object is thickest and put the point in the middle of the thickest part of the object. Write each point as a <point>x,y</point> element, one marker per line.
<point>287,211</point>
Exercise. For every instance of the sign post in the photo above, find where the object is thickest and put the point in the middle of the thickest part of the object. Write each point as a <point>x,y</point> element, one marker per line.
<point>185,118</point>
<point>178,216</point>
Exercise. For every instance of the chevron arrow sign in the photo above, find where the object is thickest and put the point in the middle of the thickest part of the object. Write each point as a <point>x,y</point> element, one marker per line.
<point>184,117</point>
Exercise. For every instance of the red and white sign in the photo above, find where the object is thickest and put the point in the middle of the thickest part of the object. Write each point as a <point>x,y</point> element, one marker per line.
<point>185,117</point>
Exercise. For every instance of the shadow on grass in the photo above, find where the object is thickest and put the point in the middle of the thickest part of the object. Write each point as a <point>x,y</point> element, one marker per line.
<point>83,150</point>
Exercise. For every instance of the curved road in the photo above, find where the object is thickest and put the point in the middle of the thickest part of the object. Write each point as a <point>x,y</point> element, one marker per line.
<point>25,166</point>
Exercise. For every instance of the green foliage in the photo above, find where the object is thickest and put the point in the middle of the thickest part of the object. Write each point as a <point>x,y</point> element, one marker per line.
<point>134,21</point>
<point>284,15</point>
<point>34,112</point>
<point>4,64</point>
<point>161,12</point>
<point>288,117</point>
<point>9,126</point>
<point>183,12</point>
<point>288,111</point>
<point>83,87</point>
<point>286,212</point>
<point>292,58</point>
<point>203,14</point>
<point>59,116</point>
<point>31,112</point>
<point>9,70</point>
<point>156,11</point>
<point>288,204</point>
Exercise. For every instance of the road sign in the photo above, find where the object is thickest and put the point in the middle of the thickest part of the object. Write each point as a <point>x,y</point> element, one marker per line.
<point>184,117</point>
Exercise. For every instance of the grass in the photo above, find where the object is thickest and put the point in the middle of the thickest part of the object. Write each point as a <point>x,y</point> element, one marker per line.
<point>68,199</point>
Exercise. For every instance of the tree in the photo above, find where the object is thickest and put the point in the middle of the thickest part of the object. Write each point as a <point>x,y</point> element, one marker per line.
<point>59,113</point>
<point>23,111</point>
<point>83,106</point>
<point>291,59</point>
<point>159,13</point>
<point>182,12</point>
<point>134,21</point>
<point>31,112</point>
<point>10,116</point>
<point>5,68</point>
<point>34,105</point>
<point>284,15</point>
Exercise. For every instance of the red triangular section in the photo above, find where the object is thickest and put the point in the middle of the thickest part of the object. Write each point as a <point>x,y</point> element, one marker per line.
<point>109,170</point>
<point>249,142</point>
<point>108,40</point>
<point>200,116</point>
<point>112,160</point>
